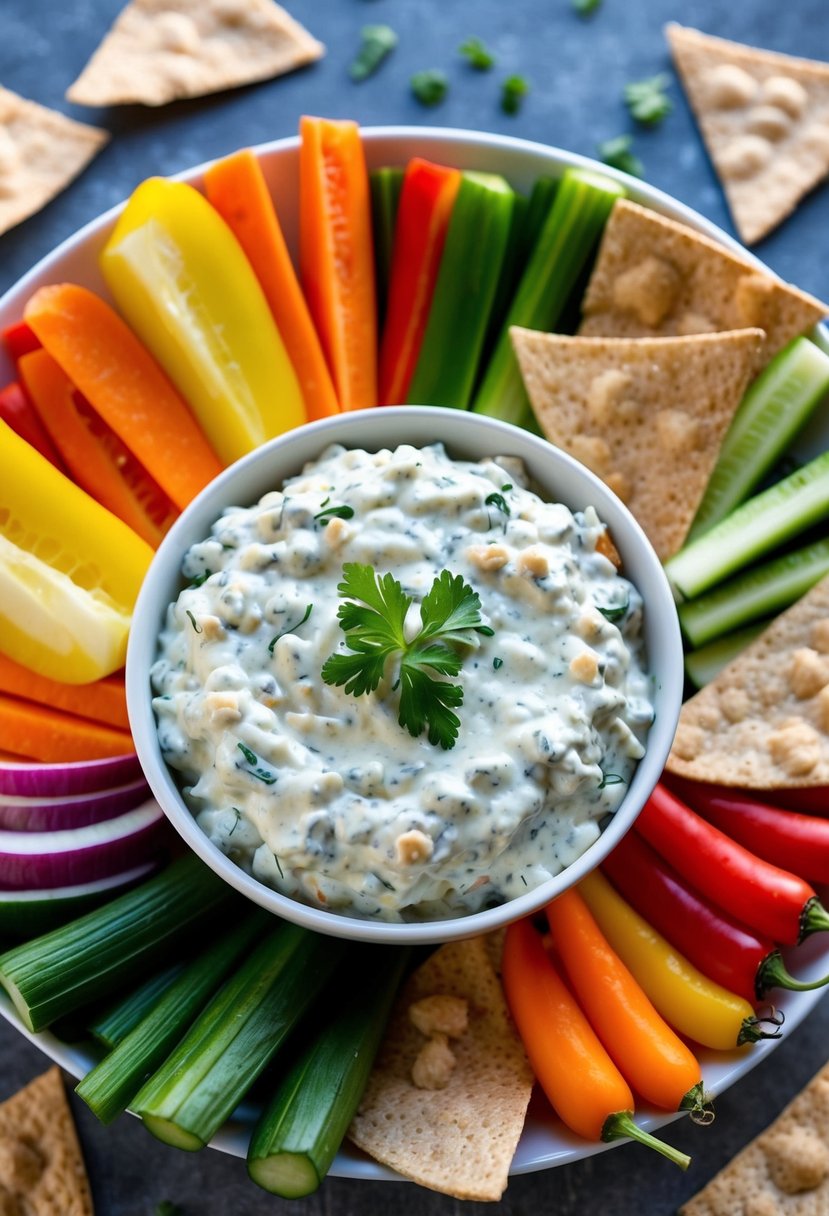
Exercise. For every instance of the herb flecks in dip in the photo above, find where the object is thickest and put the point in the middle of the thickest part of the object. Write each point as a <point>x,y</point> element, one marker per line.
<point>324,795</point>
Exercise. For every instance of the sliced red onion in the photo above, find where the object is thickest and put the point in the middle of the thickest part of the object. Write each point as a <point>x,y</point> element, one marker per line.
<point>79,855</point>
<point>30,913</point>
<point>33,780</point>
<point>19,814</point>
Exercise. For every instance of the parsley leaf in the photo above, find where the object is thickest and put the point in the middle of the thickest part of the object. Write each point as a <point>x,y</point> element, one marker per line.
<point>430,87</point>
<point>586,8</point>
<point>616,153</point>
<point>373,617</point>
<point>477,54</point>
<point>513,91</point>
<point>497,500</point>
<point>647,100</point>
<point>378,41</point>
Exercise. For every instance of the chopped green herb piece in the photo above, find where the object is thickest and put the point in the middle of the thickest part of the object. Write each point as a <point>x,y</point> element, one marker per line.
<point>291,628</point>
<point>477,54</point>
<point>497,663</point>
<point>253,760</point>
<point>616,153</point>
<point>647,100</point>
<point>430,87</point>
<point>378,41</point>
<point>202,578</point>
<point>611,779</point>
<point>617,613</point>
<point>497,500</point>
<point>341,511</point>
<point>506,487</point>
<point>238,815</point>
<point>373,616</point>
<point>513,91</point>
<point>278,866</point>
<point>196,626</point>
<point>586,8</point>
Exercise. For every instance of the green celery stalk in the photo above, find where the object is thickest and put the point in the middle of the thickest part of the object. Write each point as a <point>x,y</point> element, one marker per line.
<point>385,185</point>
<point>119,1018</point>
<point>476,243</point>
<point>570,233</point>
<point>704,665</point>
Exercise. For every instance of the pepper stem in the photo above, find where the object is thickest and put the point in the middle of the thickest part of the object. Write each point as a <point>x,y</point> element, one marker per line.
<point>698,1104</point>
<point>750,1031</point>
<point>814,918</point>
<point>620,1126</point>
<point>772,973</point>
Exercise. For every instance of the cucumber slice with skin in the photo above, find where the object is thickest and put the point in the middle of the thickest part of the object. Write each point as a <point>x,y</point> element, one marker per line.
<point>573,226</point>
<point>760,592</point>
<point>753,529</point>
<point>473,254</point>
<point>704,665</point>
<point>775,407</point>
<point>300,1130</point>
<point>27,914</point>
<point>200,1084</point>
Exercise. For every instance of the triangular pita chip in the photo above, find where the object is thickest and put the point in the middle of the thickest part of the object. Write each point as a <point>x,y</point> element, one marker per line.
<point>654,278</point>
<point>41,1167</point>
<point>764,721</point>
<point>647,415</point>
<point>159,50</point>
<point>459,1139</point>
<point>41,151</point>
<point>765,121</point>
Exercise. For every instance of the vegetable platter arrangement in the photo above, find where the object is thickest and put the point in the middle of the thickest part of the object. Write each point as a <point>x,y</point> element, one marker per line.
<point>212,318</point>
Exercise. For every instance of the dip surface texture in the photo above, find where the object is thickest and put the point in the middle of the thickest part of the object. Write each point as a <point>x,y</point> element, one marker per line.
<point>325,796</point>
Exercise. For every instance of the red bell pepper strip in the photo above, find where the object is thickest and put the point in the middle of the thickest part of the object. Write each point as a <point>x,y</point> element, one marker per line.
<point>722,948</point>
<point>20,339</point>
<point>18,411</point>
<point>761,895</point>
<point>426,201</point>
<point>791,839</point>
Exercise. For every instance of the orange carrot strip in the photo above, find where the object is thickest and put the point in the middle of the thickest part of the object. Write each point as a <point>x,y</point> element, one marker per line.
<point>651,1058</point>
<point>103,701</point>
<point>123,383</point>
<point>237,188</point>
<point>54,737</point>
<point>337,255</point>
<point>97,459</point>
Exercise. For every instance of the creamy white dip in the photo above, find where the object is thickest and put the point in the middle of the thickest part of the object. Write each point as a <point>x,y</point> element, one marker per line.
<point>324,795</point>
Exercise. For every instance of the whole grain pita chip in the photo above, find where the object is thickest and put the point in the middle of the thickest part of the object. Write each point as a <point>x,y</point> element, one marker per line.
<point>160,50</point>
<point>458,1139</point>
<point>764,721</point>
<point>654,278</point>
<point>647,415</point>
<point>784,1170</point>
<point>41,151</point>
<point>765,121</point>
<point>41,1168</point>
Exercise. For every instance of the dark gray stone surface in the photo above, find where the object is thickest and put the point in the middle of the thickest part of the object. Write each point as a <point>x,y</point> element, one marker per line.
<point>577,69</point>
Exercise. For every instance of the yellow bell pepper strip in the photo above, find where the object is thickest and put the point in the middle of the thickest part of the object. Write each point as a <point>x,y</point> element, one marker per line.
<point>182,281</point>
<point>695,1006</point>
<point>70,571</point>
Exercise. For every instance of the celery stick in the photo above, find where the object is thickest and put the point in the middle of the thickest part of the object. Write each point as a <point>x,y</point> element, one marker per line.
<point>512,268</point>
<point>705,664</point>
<point>582,204</point>
<point>119,1018</point>
<point>473,254</point>
<point>753,529</point>
<point>761,591</point>
<point>385,185</point>
<point>775,407</point>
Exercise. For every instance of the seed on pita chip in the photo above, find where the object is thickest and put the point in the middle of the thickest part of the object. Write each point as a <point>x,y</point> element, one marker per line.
<point>41,151</point>
<point>763,722</point>
<point>160,50</point>
<point>765,121</point>
<point>460,1138</point>
<point>655,278</point>
<point>41,1168</point>
<point>783,1170</point>
<point>647,415</point>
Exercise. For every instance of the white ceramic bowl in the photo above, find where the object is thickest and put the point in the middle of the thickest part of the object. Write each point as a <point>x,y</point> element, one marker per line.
<point>466,436</point>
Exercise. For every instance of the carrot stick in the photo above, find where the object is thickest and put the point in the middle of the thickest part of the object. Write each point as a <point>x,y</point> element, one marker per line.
<point>96,458</point>
<point>54,737</point>
<point>103,701</point>
<point>124,384</point>
<point>651,1058</point>
<point>337,255</point>
<point>237,188</point>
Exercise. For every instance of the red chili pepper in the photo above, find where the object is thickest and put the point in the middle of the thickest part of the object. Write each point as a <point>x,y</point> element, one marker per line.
<point>20,339</point>
<point>790,839</point>
<point>426,201</point>
<point>713,941</point>
<point>761,895</point>
<point>17,410</point>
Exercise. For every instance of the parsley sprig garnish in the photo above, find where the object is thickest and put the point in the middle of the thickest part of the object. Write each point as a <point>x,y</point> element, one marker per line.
<point>647,100</point>
<point>373,616</point>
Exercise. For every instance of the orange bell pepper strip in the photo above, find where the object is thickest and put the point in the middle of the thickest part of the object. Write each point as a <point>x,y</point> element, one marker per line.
<point>96,458</point>
<point>237,188</point>
<point>425,208</point>
<point>103,701</point>
<point>45,734</point>
<point>337,255</point>
<point>122,382</point>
